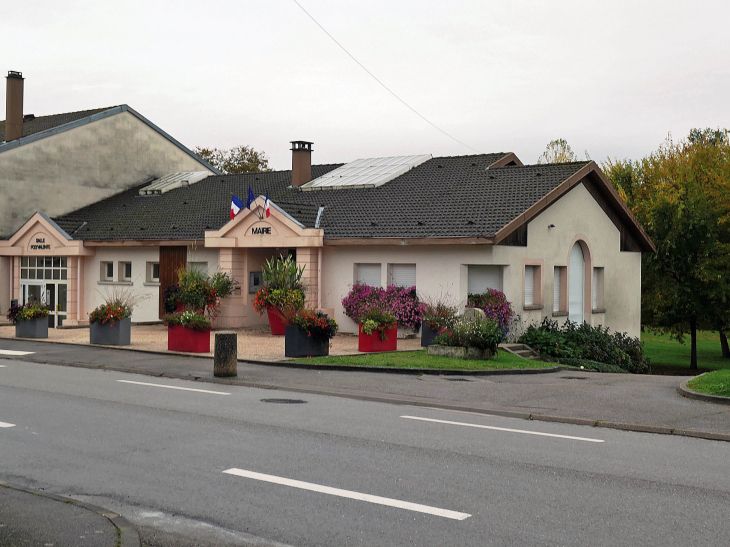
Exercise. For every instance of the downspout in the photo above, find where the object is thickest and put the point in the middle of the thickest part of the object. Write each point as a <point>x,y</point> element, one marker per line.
<point>319,262</point>
<point>78,289</point>
<point>319,278</point>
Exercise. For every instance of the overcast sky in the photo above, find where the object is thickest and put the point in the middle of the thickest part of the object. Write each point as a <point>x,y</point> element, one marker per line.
<point>612,78</point>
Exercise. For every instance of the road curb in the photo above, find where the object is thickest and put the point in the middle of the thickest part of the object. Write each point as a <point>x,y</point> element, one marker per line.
<point>684,391</point>
<point>128,536</point>
<point>292,364</point>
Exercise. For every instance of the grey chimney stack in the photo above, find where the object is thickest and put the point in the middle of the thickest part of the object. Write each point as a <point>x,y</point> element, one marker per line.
<point>301,162</point>
<point>14,106</point>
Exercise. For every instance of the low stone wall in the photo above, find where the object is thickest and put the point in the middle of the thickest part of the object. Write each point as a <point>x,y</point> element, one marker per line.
<point>456,352</point>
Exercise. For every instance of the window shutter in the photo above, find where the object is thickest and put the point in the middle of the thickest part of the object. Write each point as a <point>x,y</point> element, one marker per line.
<point>403,275</point>
<point>481,278</point>
<point>595,288</point>
<point>556,288</point>
<point>529,285</point>
<point>369,274</point>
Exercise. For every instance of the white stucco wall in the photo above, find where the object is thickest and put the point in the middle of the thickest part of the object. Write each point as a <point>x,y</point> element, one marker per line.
<point>75,168</point>
<point>95,291</point>
<point>442,269</point>
<point>148,308</point>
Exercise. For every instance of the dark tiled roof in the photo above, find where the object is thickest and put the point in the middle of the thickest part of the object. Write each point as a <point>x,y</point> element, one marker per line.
<point>183,213</point>
<point>443,197</point>
<point>41,123</point>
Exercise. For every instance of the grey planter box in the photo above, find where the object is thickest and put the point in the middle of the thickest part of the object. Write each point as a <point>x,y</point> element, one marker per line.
<point>460,353</point>
<point>33,328</point>
<point>297,343</point>
<point>107,335</point>
<point>427,336</point>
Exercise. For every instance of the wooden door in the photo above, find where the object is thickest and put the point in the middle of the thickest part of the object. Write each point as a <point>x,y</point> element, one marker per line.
<point>171,260</point>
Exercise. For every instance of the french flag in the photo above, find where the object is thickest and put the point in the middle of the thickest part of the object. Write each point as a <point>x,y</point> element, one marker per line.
<point>266,206</point>
<point>236,205</point>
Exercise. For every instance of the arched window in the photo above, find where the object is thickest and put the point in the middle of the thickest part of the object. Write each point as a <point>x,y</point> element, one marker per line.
<point>576,283</point>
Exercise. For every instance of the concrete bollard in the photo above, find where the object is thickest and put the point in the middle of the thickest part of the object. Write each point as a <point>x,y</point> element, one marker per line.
<point>225,356</point>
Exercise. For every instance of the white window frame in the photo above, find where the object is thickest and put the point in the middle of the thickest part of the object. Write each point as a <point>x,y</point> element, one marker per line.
<point>150,275</point>
<point>122,271</point>
<point>487,270</point>
<point>597,296</point>
<point>362,276</point>
<point>401,269</point>
<point>104,271</point>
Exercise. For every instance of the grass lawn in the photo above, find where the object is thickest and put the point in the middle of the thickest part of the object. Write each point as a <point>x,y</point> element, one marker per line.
<point>712,383</point>
<point>420,359</point>
<point>670,357</point>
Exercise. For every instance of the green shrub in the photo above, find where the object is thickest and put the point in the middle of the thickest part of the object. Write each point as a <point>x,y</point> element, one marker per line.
<point>588,343</point>
<point>475,333</point>
<point>379,320</point>
<point>587,364</point>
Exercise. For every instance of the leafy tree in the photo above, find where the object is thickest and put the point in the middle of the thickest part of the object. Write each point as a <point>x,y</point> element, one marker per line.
<point>557,151</point>
<point>239,159</point>
<point>681,194</point>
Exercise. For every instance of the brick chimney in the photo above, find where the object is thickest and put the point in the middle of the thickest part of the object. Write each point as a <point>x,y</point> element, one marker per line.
<point>301,162</point>
<point>14,106</point>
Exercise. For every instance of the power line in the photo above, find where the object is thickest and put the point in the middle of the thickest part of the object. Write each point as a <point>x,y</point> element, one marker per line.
<point>382,84</point>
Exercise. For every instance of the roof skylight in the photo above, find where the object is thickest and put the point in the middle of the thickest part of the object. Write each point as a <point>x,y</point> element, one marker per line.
<point>172,181</point>
<point>366,173</point>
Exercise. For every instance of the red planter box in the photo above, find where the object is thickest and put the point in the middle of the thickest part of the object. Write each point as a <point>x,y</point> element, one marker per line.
<point>372,342</point>
<point>276,322</point>
<point>180,338</point>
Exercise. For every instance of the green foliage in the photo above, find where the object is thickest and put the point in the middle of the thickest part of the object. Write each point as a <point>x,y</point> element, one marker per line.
<point>379,320</point>
<point>283,273</point>
<point>557,151</point>
<point>681,195</point>
<point>31,310</point>
<point>239,159</point>
<point>188,319</point>
<point>587,364</point>
<point>586,342</point>
<point>317,324</point>
<point>199,291</point>
<point>476,333</point>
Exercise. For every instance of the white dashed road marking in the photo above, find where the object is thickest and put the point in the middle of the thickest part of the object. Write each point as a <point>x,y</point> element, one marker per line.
<point>174,387</point>
<point>505,429</point>
<point>14,352</point>
<point>349,494</point>
<point>4,424</point>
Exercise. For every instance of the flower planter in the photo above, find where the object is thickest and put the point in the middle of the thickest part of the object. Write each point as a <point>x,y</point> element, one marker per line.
<point>106,334</point>
<point>457,352</point>
<point>32,328</point>
<point>181,338</point>
<point>427,336</point>
<point>298,343</point>
<point>372,342</point>
<point>276,322</point>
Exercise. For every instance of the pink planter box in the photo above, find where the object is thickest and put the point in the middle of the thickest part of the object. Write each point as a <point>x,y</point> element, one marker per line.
<point>372,342</point>
<point>180,338</point>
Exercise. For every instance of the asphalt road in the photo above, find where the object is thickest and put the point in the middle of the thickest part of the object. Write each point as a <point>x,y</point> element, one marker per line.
<point>220,465</point>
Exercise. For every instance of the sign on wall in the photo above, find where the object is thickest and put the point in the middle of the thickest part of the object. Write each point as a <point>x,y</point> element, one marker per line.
<point>261,229</point>
<point>40,242</point>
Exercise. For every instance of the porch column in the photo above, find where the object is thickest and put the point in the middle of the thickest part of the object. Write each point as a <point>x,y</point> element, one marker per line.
<point>233,308</point>
<point>307,257</point>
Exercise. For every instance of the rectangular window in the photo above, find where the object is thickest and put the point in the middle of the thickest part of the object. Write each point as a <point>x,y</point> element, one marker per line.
<point>403,275</point>
<point>255,280</point>
<point>529,285</point>
<point>153,272</point>
<point>107,271</point>
<point>481,278</point>
<point>597,303</point>
<point>199,266</point>
<point>368,274</point>
<point>559,277</point>
<point>125,271</point>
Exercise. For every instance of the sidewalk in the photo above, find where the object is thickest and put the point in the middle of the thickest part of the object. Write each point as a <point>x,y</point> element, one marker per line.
<point>624,401</point>
<point>36,518</point>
